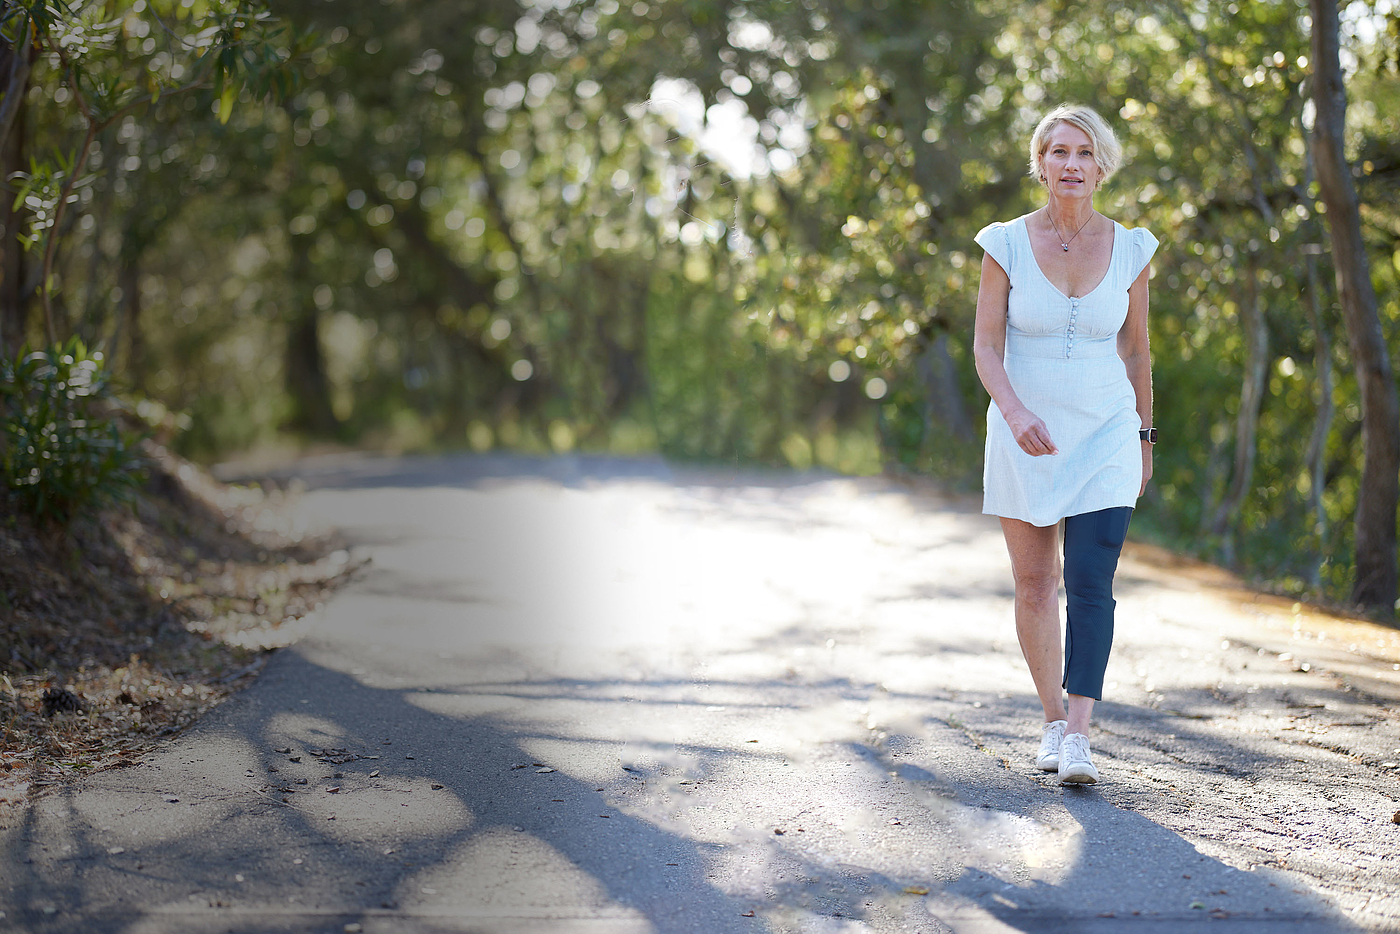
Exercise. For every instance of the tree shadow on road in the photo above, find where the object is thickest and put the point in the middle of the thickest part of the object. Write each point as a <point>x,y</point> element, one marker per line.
<point>501,839</point>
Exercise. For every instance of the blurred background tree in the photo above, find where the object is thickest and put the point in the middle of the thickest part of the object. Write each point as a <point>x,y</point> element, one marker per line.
<point>735,232</point>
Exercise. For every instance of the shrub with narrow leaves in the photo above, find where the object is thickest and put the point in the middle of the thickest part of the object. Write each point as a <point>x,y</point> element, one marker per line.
<point>61,446</point>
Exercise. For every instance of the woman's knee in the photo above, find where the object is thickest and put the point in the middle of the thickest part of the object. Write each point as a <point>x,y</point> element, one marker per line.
<point>1040,585</point>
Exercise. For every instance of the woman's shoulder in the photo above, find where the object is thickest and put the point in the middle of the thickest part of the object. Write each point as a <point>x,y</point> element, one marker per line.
<point>1005,225</point>
<point>997,232</point>
<point>1138,234</point>
<point>1141,243</point>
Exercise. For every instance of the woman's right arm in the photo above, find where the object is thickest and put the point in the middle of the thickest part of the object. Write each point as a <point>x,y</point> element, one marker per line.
<point>988,350</point>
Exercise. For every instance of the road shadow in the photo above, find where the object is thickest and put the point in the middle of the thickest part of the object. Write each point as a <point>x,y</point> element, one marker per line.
<point>480,804</point>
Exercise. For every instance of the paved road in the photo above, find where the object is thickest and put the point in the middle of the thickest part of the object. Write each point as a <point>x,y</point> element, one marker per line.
<point>582,695</point>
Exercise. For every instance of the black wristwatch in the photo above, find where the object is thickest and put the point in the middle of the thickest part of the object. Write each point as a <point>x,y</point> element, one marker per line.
<point>1148,434</point>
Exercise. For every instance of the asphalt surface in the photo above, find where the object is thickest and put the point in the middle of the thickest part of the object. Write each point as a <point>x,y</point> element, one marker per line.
<point>591,695</point>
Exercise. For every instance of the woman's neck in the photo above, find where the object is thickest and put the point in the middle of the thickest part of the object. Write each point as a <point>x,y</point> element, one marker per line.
<point>1069,214</point>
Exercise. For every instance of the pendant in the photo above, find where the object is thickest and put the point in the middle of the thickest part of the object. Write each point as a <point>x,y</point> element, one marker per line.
<point>1066,246</point>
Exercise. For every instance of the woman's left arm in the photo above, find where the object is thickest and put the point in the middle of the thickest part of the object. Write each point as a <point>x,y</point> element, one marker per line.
<point>1133,348</point>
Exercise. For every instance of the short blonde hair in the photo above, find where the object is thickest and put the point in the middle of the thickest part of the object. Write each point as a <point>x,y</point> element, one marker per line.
<point>1108,152</point>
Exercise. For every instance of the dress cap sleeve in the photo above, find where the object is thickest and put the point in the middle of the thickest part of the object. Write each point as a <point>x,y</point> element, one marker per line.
<point>1144,245</point>
<point>996,240</point>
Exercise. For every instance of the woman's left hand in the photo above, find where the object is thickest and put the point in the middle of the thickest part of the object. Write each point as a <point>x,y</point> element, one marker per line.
<point>1146,466</point>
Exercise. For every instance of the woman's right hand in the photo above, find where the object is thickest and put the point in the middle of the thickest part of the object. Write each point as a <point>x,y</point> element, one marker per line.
<point>1030,433</point>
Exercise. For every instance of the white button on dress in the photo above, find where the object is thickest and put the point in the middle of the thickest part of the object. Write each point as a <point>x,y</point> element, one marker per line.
<point>1062,360</point>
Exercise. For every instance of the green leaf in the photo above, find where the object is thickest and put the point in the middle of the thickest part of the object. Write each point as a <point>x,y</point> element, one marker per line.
<point>226,102</point>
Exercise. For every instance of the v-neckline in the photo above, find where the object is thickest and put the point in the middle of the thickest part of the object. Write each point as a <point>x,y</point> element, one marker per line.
<point>1112,253</point>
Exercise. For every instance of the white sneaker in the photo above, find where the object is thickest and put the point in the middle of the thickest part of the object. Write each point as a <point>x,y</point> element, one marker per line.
<point>1076,764</point>
<point>1051,735</point>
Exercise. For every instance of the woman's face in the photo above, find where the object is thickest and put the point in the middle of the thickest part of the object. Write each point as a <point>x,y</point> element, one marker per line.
<point>1068,162</point>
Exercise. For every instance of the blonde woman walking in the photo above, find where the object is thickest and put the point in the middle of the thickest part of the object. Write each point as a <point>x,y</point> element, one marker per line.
<point>1061,346</point>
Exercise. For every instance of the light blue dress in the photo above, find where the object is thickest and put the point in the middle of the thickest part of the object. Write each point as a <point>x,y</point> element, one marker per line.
<point>1062,360</point>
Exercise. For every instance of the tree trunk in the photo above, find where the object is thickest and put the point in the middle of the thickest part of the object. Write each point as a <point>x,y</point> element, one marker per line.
<point>305,370</point>
<point>129,317</point>
<point>306,377</point>
<point>1322,422</point>
<point>1256,378</point>
<point>943,398</point>
<point>1376,573</point>
<point>15,64</point>
<point>14,304</point>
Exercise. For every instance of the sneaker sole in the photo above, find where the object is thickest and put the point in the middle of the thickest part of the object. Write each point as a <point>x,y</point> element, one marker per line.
<point>1079,778</point>
<point>1049,765</point>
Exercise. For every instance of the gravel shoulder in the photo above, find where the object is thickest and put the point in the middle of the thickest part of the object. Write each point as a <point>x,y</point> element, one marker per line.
<point>598,695</point>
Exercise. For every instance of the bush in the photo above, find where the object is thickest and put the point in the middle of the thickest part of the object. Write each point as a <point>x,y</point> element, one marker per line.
<point>61,444</point>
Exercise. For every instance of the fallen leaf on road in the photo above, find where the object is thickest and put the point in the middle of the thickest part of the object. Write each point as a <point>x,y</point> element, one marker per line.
<point>283,749</point>
<point>435,786</point>
<point>114,850</point>
<point>779,831</point>
<point>916,890</point>
<point>543,771</point>
<point>1200,905</point>
<point>294,758</point>
<point>374,774</point>
<point>894,822</point>
<point>746,914</point>
<point>334,789</point>
<point>1395,818</point>
<point>427,890</point>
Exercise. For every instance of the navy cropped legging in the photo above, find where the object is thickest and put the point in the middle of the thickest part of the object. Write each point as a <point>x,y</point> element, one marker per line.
<point>1093,541</point>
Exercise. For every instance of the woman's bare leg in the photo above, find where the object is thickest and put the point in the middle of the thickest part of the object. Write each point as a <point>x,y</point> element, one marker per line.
<point>1080,707</point>
<point>1035,566</point>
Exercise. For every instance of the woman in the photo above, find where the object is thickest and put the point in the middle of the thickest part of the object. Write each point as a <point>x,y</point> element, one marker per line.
<point>1061,346</point>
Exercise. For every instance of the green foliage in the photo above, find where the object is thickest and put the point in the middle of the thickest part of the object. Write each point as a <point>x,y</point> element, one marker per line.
<point>435,224</point>
<point>64,451</point>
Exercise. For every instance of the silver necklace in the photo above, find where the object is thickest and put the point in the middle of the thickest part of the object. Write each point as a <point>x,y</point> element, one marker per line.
<point>1063,242</point>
